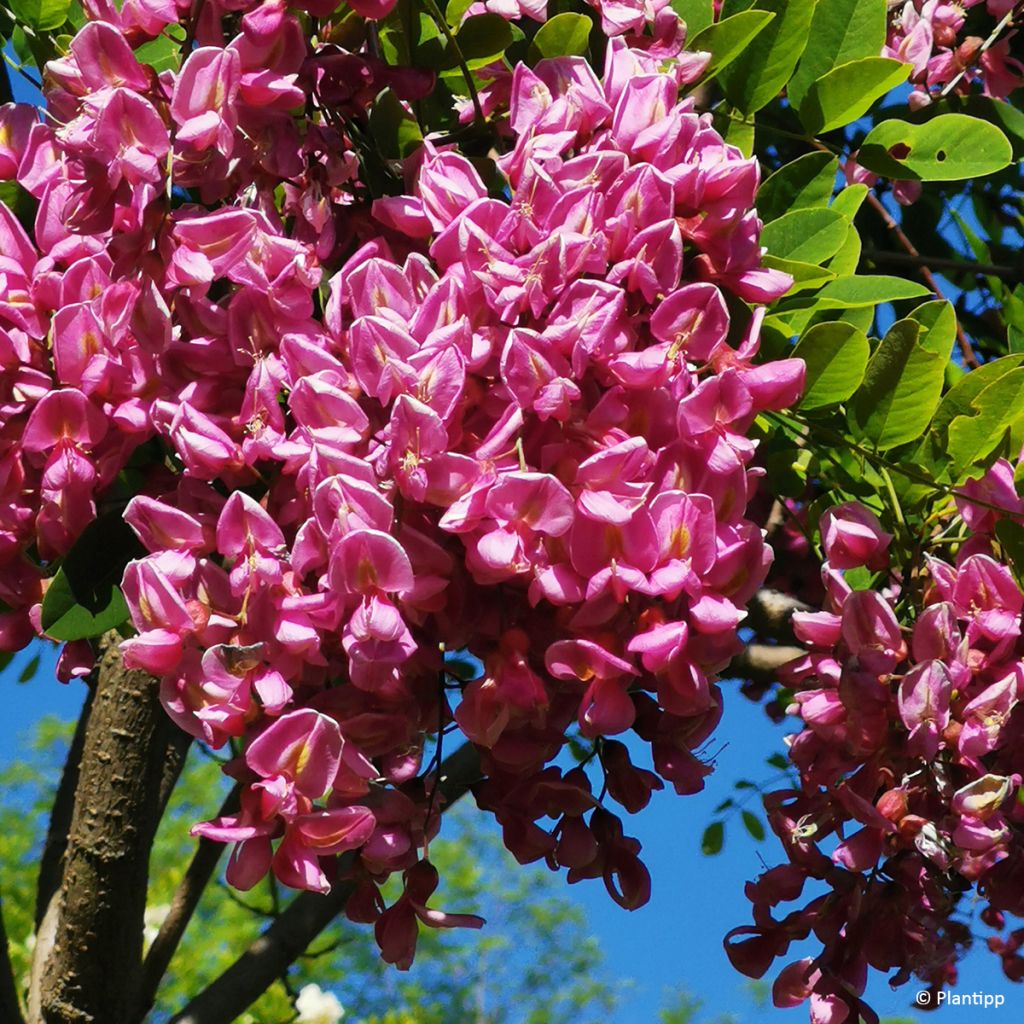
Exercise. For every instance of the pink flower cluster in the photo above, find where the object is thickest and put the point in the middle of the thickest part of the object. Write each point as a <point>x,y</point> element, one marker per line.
<point>524,436</point>
<point>910,767</point>
<point>927,35</point>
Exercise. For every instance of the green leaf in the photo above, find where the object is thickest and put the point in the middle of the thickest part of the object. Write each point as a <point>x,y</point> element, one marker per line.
<point>753,825</point>
<point>456,11</point>
<point>975,435</point>
<point>84,600</point>
<point>950,147</point>
<point>766,64</point>
<point>482,38</point>
<point>958,400</point>
<point>565,35</point>
<point>713,839</point>
<point>42,15</point>
<point>808,236</point>
<point>847,259</point>
<point>734,128</point>
<point>836,355</point>
<point>1008,118</point>
<point>805,183</point>
<point>850,199</point>
<point>805,275</point>
<point>30,669</point>
<point>868,290</point>
<point>1011,539</point>
<point>728,38</point>
<point>393,128</point>
<point>848,91</point>
<point>779,761</point>
<point>841,31</point>
<point>697,14</point>
<point>161,54</point>
<point>938,326</point>
<point>901,389</point>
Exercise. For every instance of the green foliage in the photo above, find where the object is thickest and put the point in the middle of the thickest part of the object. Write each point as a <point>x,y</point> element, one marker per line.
<point>847,92</point>
<point>841,31</point>
<point>41,15</point>
<point>697,14</point>
<point>766,64</point>
<point>713,839</point>
<point>729,38</point>
<point>84,599</point>
<point>807,236</point>
<point>804,183</point>
<point>836,355</point>
<point>901,389</point>
<point>563,36</point>
<point>533,964</point>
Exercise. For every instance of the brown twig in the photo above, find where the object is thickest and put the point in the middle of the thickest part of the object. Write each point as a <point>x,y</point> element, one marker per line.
<point>183,905</point>
<point>944,263</point>
<point>929,278</point>
<point>303,920</point>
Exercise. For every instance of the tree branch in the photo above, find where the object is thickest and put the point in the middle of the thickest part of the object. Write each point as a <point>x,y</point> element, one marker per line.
<point>905,259</point>
<point>183,905</point>
<point>52,860</point>
<point>929,278</point>
<point>305,918</point>
<point>10,1008</point>
<point>94,968</point>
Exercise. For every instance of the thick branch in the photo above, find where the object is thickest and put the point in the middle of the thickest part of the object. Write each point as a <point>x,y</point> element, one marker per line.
<point>905,259</point>
<point>94,968</point>
<point>183,905</point>
<point>10,1009</point>
<point>304,919</point>
<point>52,861</point>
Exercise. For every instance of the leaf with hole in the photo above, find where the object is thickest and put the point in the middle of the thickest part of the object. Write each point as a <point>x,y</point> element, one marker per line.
<point>950,147</point>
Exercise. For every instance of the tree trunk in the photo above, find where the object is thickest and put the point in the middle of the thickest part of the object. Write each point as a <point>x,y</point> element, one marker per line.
<point>132,753</point>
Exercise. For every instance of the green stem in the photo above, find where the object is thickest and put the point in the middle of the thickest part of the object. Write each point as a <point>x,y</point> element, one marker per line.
<point>435,12</point>
<point>793,423</point>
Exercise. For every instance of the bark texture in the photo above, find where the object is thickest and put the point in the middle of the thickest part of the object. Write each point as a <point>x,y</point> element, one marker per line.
<point>131,754</point>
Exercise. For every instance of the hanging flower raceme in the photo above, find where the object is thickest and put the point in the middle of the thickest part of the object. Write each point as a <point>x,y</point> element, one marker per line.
<point>908,763</point>
<point>513,423</point>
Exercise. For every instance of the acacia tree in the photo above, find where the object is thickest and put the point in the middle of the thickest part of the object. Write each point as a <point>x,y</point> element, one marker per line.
<point>407,402</point>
